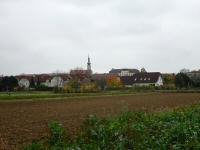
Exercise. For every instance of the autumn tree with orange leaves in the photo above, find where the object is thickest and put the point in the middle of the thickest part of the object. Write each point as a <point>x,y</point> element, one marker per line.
<point>114,82</point>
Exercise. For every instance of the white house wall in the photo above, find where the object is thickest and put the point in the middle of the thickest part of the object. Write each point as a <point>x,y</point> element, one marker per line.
<point>159,82</point>
<point>125,73</point>
<point>143,84</point>
<point>24,83</point>
<point>57,82</point>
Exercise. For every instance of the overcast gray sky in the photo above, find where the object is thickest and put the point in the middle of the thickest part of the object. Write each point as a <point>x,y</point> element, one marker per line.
<point>41,36</point>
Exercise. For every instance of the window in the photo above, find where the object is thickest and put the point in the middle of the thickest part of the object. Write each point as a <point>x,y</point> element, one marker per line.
<point>135,79</point>
<point>149,79</point>
<point>145,79</point>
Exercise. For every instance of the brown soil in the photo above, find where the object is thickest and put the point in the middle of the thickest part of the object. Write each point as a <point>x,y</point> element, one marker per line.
<point>21,122</point>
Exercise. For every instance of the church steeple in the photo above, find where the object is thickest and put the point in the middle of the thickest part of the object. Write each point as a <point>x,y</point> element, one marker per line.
<point>89,68</point>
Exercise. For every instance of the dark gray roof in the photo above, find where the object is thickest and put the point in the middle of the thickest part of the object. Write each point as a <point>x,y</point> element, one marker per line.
<point>150,77</point>
<point>115,71</point>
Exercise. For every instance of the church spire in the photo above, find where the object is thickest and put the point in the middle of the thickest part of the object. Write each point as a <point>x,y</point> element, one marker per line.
<point>89,60</point>
<point>89,68</point>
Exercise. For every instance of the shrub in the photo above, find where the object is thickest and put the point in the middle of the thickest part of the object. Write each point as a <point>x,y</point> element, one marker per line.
<point>88,87</point>
<point>73,86</point>
<point>35,146</point>
<point>56,141</point>
<point>42,87</point>
<point>179,129</point>
<point>57,136</point>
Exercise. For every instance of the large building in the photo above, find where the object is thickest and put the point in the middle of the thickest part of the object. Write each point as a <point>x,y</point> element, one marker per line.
<point>124,72</point>
<point>143,79</point>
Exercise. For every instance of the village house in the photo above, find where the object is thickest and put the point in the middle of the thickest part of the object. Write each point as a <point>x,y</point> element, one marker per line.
<point>48,80</point>
<point>24,80</point>
<point>59,80</point>
<point>43,79</point>
<point>53,80</point>
<point>143,79</point>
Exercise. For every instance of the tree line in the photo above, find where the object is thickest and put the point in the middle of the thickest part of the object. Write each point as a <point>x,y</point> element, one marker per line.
<point>183,81</point>
<point>8,83</point>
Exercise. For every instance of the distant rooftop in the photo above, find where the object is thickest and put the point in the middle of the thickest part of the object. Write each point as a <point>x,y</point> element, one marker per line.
<point>115,71</point>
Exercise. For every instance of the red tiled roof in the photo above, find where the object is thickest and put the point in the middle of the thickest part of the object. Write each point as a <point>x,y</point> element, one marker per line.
<point>99,76</point>
<point>64,76</point>
<point>28,77</point>
<point>103,76</point>
<point>43,77</point>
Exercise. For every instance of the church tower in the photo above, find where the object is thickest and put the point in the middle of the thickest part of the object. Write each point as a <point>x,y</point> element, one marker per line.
<point>89,68</point>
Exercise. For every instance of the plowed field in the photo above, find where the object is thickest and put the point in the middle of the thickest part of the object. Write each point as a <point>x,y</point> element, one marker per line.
<point>21,122</point>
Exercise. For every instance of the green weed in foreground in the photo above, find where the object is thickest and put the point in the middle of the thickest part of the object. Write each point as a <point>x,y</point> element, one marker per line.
<point>166,130</point>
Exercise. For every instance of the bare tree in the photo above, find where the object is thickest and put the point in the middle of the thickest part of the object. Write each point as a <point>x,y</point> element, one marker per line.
<point>79,74</point>
<point>184,70</point>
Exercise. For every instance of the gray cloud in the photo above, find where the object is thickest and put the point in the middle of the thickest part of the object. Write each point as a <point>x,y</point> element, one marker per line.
<point>43,36</point>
